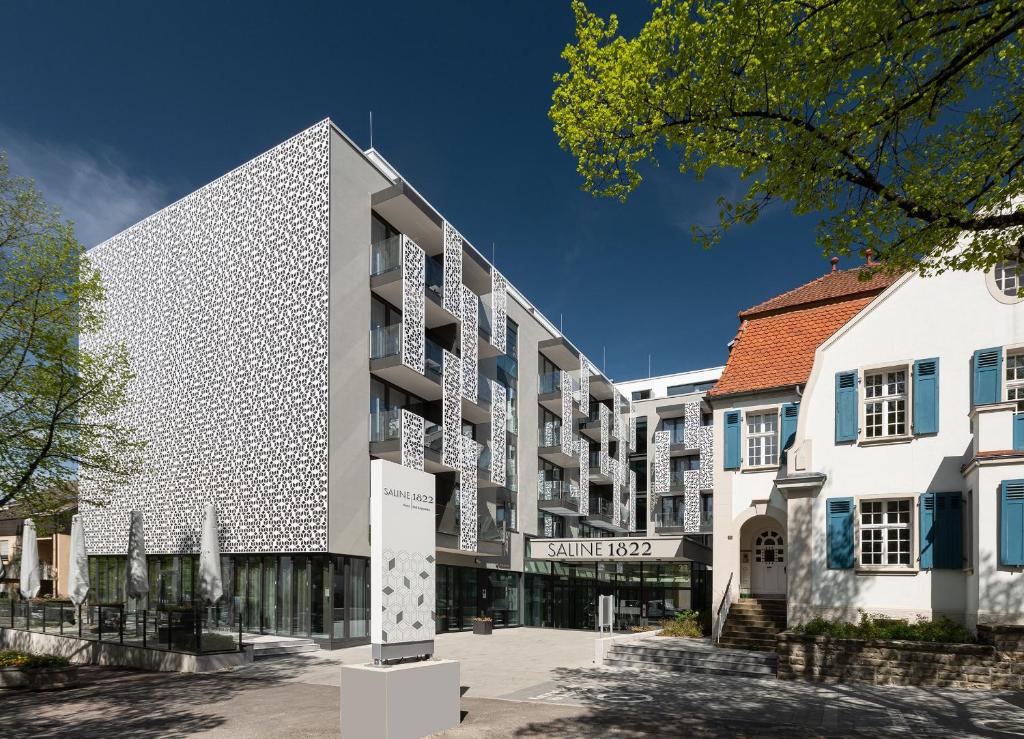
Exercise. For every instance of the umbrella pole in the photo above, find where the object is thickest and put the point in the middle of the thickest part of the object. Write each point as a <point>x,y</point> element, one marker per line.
<point>79,620</point>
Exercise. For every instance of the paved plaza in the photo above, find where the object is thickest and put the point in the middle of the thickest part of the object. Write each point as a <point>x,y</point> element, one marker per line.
<point>517,682</point>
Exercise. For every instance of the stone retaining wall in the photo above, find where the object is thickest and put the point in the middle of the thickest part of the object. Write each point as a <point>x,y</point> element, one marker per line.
<point>882,662</point>
<point>1004,637</point>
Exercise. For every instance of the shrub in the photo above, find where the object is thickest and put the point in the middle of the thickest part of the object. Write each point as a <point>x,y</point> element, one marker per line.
<point>26,661</point>
<point>686,624</point>
<point>870,626</point>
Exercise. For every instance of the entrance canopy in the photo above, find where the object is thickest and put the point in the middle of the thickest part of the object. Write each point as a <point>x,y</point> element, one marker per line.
<point>629,548</point>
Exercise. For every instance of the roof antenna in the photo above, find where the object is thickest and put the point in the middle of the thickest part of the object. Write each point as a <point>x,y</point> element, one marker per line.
<point>560,324</point>
<point>492,255</point>
<point>648,365</point>
<point>371,129</point>
<point>604,359</point>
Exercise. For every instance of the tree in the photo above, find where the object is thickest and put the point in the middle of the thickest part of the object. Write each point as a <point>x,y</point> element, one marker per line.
<point>901,122</point>
<point>55,398</point>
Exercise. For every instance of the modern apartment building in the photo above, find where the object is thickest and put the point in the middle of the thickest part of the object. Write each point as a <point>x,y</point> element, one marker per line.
<point>310,311</point>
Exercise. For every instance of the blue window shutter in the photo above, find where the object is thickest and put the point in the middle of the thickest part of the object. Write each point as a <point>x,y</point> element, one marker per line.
<point>926,396</point>
<point>790,413</point>
<point>1018,432</point>
<point>731,459</point>
<point>949,549</point>
<point>928,530</point>
<point>1011,523</point>
<point>988,368</point>
<point>846,406</point>
<point>839,532</point>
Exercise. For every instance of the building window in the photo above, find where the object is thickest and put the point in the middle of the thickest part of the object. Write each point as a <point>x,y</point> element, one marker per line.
<point>885,533</point>
<point>762,439</point>
<point>5,550</point>
<point>1015,378</point>
<point>1007,274</point>
<point>885,403</point>
<point>641,395</point>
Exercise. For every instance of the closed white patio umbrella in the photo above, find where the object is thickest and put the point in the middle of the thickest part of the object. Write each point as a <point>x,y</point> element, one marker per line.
<point>211,585</point>
<point>30,580</point>
<point>137,570</point>
<point>78,563</point>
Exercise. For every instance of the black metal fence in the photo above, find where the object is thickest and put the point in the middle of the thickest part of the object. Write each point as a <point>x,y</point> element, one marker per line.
<point>188,629</point>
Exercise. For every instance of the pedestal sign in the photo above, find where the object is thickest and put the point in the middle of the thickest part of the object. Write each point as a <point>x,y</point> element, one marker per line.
<point>402,546</point>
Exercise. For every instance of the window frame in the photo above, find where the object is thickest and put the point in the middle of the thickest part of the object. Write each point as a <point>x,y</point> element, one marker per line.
<point>1011,350</point>
<point>913,524</point>
<point>995,290</point>
<point>745,435</point>
<point>907,367</point>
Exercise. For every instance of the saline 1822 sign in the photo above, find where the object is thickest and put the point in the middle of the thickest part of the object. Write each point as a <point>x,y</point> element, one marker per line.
<point>606,549</point>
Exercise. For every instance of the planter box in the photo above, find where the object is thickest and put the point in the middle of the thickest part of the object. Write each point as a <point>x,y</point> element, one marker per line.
<point>45,678</point>
<point>483,628</point>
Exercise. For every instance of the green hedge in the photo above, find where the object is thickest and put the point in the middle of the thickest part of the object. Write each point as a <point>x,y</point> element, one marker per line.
<point>870,626</point>
<point>26,661</point>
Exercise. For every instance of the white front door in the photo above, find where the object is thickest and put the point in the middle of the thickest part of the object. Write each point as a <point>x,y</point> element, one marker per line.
<point>768,574</point>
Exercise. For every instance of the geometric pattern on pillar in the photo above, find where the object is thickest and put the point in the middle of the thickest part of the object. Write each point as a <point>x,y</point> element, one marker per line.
<point>632,500</point>
<point>661,451</point>
<point>470,348</point>
<point>498,431</point>
<point>468,495</point>
<point>567,420</point>
<point>452,292</point>
<point>451,410</point>
<point>584,384</point>
<point>412,440</point>
<point>499,310</point>
<point>617,416</point>
<point>706,444</point>
<point>413,305</point>
<point>602,457</point>
<point>691,424</point>
<point>584,504</point>
<point>691,511</point>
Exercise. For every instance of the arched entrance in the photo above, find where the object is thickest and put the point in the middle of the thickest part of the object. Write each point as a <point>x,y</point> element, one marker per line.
<point>763,557</point>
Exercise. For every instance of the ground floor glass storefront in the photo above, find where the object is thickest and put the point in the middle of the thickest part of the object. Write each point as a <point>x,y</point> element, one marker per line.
<point>323,596</point>
<point>564,595</point>
<point>464,593</point>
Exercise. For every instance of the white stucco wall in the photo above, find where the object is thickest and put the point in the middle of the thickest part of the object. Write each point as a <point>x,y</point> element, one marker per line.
<point>949,316</point>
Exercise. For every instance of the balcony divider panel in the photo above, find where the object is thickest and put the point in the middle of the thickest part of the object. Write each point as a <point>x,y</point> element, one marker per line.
<point>470,348</point>
<point>412,440</point>
<point>413,306</point>
<point>661,474</point>
<point>632,501</point>
<point>451,298</point>
<point>499,310</point>
<point>603,460</point>
<point>691,425</point>
<point>499,411</point>
<point>584,479</point>
<point>468,495</point>
<point>451,411</point>
<point>705,442</point>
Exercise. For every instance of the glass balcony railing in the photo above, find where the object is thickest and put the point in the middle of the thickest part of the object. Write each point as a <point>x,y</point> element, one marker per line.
<point>511,475</point>
<point>483,390</point>
<point>435,277</point>
<point>676,434</point>
<point>549,436</point>
<point>433,435</point>
<point>676,478</point>
<point>483,317</point>
<point>512,421</point>
<point>434,358</point>
<point>385,255</point>
<point>550,382</point>
<point>386,425</point>
<point>595,460</point>
<point>600,506</point>
<point>385,341</point>
<point>669,519</point>
<point>555,490</point>
<point>483,462</point>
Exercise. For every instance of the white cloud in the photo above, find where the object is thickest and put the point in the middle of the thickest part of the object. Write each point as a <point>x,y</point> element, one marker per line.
<point>94,190</point>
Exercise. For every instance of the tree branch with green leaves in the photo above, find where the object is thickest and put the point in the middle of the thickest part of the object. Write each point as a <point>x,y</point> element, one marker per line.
<point>899,123</point>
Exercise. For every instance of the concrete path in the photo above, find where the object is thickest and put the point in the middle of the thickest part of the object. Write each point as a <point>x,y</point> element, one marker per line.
<point>519,682</point>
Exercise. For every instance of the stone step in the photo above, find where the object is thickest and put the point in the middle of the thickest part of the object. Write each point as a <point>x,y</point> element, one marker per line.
<point>712,658</point>
<point>763,645</point>
<point>755,620</point>
<point>761,671</point>
<point>753,628</point>
<point>765,607</point>
<point>281,647</point>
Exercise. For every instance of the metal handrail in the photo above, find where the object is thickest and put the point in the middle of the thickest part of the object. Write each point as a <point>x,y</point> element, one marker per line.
<point>723,612</point>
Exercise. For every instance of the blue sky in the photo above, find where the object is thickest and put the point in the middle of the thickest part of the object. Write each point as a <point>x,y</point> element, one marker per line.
<point>117,109</point>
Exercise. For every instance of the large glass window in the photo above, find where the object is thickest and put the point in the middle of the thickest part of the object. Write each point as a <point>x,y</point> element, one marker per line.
<point>762,439</point>
<point>885,533</point>
<point>674,426</point>
<point>885,403</point>
<point>640,442</point>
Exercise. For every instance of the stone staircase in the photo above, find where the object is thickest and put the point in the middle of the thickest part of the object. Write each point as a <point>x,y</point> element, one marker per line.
<point>265,647</point>
<point>692,655</point>
<point>753,624</point>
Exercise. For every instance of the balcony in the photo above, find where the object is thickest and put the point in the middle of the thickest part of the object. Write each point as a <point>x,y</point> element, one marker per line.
<point>669,522</point>
<point>549,446</point>
<point>386,440</point>
<point>600,515</point>
<point>386,266</point>
<point>558,497</point>
<point>491,538</point>
<point>595,474</point>
<point>386,362</point>
<point>480,411</point>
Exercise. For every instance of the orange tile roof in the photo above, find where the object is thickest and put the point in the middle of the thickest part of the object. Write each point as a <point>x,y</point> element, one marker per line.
<point>775,344</point>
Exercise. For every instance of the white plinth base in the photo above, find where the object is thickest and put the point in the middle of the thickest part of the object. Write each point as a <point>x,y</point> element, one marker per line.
<point>399,702</point>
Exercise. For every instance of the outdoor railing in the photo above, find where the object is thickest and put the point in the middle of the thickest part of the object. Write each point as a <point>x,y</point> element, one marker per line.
<point>385,341</point>
<point>549,382</point>
<point>600,507</point>
<point>555,490</point>
<point>385,255</point>
<point>722,613</point>
<point>434,276</point>
<point>669,520</point>
<point>189,628</point>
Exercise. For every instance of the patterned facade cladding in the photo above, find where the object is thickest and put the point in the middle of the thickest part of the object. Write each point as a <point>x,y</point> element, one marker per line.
<point>706,444</point>
<point>584,384</point>
<point>413,305</point>
<point>451,411</point>
<point>616,495</point>
<point>468,495</point>
<point>412,440</point>
<point>691,425</point>
<point>499,412</point>
<point>451,295</point>
<point>193,323</point>
<point>632,500</point>
<point>470,348</point>
<point>617,431</point>
<point>567,420</point>
<point>602,456</point>
<point>408,587</point>
<point>691,511</point>
<point>549,525</point>
<point>499,310</point>
<point>632,426</point>
<point>584,480</point>
<point>661,478</point>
